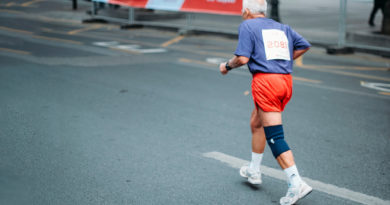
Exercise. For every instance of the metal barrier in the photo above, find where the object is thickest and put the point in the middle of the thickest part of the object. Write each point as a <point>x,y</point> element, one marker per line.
<point>184,25</point>
<point>333,32</point>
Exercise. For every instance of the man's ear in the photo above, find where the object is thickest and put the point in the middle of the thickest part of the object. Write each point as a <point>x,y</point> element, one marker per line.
<point>246,13</point>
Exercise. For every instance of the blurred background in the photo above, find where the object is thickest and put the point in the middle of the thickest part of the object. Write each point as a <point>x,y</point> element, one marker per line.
<point>122,102</point>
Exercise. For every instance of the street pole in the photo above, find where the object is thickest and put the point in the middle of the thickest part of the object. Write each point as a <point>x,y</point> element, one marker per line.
<point>94,9</point>
<point>341,47</point>
<point>187,29</point>
<point>342,22</point>
<point>131,16</point>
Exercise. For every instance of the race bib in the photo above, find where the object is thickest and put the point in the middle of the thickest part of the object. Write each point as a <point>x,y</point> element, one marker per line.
<point>275,44</point>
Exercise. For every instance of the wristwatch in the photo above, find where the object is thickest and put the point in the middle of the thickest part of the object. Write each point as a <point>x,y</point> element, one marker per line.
<point>227,66</point>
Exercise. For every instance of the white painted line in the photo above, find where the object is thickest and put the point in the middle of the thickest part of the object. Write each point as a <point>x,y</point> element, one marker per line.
<point>376,86</point>
<point>106,44</point>
<point>137,48</point>
<point>152,50</point>
<point>131,47</point>
<point>317,185</point>
<point>216,61</point>
<point>127,47</point>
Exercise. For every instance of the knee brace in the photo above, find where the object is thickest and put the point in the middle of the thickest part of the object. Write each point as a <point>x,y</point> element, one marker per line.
<point>275,139</point>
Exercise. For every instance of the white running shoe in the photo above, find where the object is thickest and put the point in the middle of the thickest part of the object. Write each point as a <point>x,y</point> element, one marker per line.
<point>254,177</point>
<point>296,193</point>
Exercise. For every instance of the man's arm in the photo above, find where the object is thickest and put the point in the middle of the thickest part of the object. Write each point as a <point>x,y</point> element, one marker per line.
<point>235,62</point>
<point>298,53</point>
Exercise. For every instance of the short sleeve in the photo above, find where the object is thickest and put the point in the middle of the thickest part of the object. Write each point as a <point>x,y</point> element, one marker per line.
<point>299,42</point>
<point>245,41</point>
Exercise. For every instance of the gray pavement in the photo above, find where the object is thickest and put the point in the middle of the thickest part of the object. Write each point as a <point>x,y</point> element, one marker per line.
<point>318,21</point>
<point>84,123</point>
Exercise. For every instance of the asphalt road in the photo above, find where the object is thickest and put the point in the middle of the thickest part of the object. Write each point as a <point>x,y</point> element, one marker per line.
<point>91,114</point>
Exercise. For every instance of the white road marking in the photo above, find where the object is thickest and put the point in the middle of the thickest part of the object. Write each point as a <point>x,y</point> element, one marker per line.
<point>216,61</point>
<point>106,44</point>
<point>317,185</point>
<point>129,47</point>
<point>376,86</point>
<point>152,50</point>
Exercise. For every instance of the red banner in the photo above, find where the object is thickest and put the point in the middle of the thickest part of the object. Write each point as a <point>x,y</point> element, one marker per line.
<point>133,3</point>
<point>232,7</point>
<point>213,6</point>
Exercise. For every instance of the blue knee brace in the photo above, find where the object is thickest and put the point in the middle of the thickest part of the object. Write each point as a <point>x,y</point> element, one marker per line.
<point>275,139</point>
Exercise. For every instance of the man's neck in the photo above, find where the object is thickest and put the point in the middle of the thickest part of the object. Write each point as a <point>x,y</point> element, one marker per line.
<point>253,16</point>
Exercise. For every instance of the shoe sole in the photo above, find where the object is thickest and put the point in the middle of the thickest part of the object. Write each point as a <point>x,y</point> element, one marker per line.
<point>254,182</point>
<point>249,179</point>
<point>305,194</point>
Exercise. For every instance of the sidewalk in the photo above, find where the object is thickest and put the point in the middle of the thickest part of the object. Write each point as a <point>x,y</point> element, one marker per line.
<point>319,24</point>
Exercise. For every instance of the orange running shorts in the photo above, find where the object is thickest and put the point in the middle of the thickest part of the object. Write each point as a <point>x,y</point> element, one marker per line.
<point>271,91</point>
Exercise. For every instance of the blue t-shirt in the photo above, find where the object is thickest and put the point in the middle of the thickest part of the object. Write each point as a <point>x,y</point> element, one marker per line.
<point>269,45</point>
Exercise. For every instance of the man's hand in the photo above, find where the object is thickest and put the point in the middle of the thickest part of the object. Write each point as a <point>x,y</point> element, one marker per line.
<point>235,62</point>
<point>298,53</point>
<point>223,69</point>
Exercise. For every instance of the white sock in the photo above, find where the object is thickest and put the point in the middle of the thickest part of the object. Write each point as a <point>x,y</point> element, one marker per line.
<point>293,178</point>
<point>256,161</point>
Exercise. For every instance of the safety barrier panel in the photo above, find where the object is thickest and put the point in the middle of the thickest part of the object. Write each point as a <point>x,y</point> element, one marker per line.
<point>341,32</point>
<point>185,8</point>
<point>232,7</point>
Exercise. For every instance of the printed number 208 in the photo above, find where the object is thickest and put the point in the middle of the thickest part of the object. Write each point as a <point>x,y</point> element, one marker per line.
<point>277,44</point>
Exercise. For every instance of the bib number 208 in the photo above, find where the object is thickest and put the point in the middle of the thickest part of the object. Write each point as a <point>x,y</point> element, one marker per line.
<point>275,44</point>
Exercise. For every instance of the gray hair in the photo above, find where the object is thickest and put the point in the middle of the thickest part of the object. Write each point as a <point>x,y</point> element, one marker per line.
<point>255,6</point>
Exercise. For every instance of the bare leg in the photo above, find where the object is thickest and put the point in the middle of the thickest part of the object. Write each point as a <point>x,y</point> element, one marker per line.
<point>286,160</point>
<point>258,135</point>
<point>253,170</point>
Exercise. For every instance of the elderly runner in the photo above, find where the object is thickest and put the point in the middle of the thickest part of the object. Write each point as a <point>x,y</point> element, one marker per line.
<point>269,48</point>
